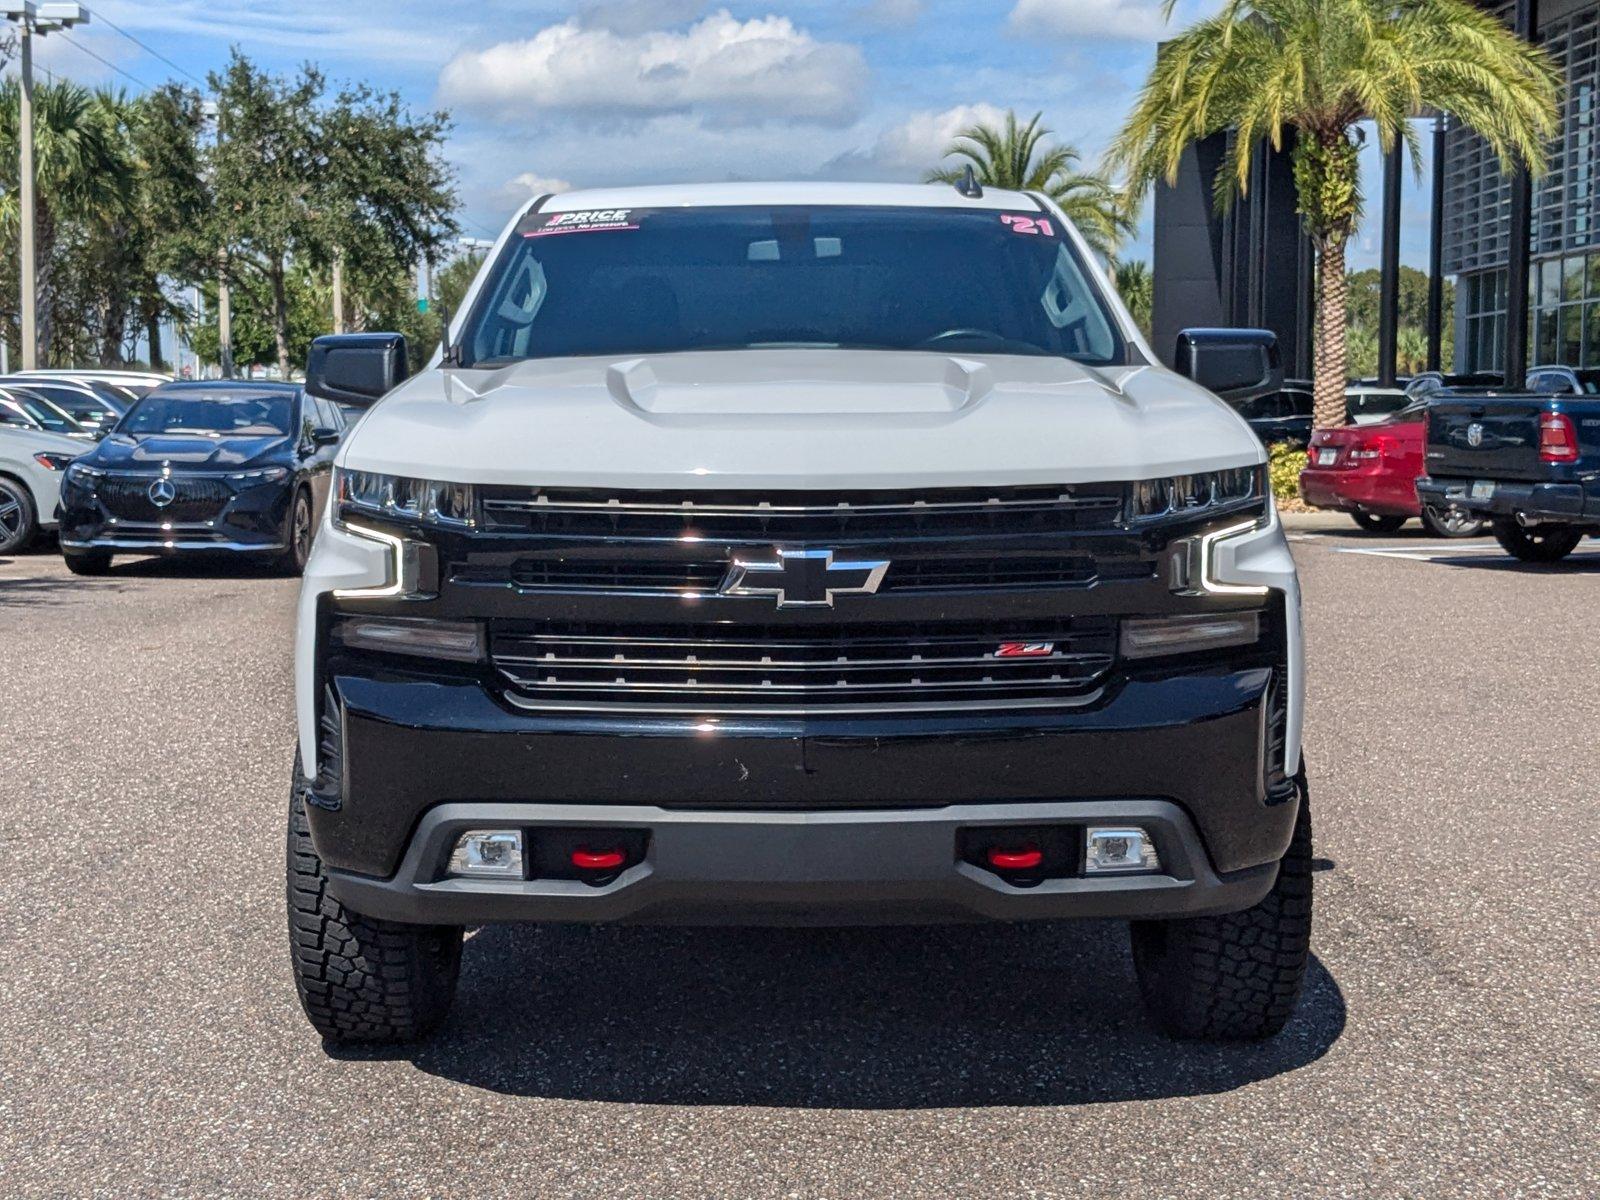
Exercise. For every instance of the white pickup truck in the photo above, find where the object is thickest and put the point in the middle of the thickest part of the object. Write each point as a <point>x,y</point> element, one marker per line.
<point>798,553</point>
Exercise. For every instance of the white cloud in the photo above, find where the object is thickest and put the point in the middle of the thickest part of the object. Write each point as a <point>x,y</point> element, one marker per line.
<point>1123,20</point>
<point>531,184</point>
<point>910,148</point>
<point>730,72</point>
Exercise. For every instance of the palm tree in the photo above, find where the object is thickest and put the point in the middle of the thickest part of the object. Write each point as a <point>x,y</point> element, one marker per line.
<point>81,168</point>
<point>1306,72</point>
<point>1137,290</point>
<point>1016,157</point>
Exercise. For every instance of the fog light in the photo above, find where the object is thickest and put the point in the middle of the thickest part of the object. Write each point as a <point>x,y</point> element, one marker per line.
<point>1114,851</point>
<point>488,854</point>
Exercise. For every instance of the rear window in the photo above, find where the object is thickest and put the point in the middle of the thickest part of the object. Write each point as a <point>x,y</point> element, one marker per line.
<point>652,281</point>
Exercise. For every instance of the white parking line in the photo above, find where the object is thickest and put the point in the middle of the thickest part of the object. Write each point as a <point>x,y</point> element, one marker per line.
<point>1436,553</point>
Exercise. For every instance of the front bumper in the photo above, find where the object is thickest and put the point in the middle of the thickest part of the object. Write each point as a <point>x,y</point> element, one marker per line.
<point>800,868</point>
<point>249,520</point>
<point>1559,503</point>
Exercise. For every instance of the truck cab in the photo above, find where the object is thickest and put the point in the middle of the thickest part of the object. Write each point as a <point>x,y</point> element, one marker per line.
<point>798,554</point>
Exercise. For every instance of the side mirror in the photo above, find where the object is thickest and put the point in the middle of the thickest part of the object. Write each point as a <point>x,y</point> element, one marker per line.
<point>1236,364</point>
<point>357,369</point>
<point>325,437</point>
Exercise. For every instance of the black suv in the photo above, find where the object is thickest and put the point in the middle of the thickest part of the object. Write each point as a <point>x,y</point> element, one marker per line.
<point>222,467</point>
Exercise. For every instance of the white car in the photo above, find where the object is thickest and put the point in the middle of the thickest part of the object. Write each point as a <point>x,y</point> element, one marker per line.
<point>798,553</point>
<point>32,463</point>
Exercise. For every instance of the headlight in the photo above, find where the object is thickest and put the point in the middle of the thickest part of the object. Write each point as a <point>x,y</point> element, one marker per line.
<point>81,473</point>
<point>427,500</point>
<point>53,462</point>
<point>265,475</point>
<point>1189,493</point>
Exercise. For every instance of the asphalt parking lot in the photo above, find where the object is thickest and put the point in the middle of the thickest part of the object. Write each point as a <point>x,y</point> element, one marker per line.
<point>1449,1043</point>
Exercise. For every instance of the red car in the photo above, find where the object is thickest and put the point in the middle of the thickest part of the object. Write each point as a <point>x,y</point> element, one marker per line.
<point>1370,471</point>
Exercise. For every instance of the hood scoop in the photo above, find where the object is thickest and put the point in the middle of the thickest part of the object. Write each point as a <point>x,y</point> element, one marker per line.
<point>800,383</point>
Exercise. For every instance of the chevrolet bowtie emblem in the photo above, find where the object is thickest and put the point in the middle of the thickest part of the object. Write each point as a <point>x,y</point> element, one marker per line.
<point>801,578</point>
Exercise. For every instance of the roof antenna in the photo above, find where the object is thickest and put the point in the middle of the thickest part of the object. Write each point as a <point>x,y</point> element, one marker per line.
<point>969,185</point>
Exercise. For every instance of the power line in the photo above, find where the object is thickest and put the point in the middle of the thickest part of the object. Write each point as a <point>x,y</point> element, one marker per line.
<point>125,74</point>
<point>98,16</point>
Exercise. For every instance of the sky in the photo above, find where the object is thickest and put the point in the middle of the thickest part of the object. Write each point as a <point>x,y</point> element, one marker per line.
<point>544,96</point>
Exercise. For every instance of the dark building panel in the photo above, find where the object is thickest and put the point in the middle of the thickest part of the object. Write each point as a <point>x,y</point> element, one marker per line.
<point>1249,266</point>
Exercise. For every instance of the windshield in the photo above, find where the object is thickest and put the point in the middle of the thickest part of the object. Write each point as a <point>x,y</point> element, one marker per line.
<point>648,281</point>
<point>233,412</point>
<point>46,414</point>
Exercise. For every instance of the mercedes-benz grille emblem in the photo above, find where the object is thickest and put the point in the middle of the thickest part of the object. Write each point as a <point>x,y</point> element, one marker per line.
<point>1475,434</point>
<point>162,493</point>
<point>801,578</point>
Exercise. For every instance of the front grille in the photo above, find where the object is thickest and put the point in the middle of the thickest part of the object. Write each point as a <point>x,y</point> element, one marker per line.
<point>974,570</point>
<point>710,669</point>
<point>736,516</point>
<point>127,497</point>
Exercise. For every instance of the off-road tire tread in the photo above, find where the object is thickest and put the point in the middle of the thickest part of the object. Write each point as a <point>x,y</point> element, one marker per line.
<point>1237,976</point>
<point>361,979</point>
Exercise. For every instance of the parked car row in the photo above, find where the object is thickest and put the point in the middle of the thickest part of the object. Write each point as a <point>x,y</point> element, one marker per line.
<point>222,466</point>
<point>1380,471</point>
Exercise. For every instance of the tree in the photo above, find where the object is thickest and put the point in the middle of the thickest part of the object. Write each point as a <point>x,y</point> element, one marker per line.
<point>1017,157</point>
<point>84,173</point>
<point>358,181</point>
<point>1137,290</point>
<point>1307,72</point>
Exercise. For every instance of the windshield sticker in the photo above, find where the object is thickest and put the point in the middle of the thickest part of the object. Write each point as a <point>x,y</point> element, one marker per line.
<point>593,221</point>
<point>1024,224</point>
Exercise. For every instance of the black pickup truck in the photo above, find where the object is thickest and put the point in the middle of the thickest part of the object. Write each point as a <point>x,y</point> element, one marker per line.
<point>1528,462</point>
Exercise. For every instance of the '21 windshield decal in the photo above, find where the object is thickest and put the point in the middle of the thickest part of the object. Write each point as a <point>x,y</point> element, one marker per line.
<point>1024,224</point>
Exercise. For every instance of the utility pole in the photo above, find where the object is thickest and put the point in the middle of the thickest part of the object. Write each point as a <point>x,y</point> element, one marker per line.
<point>224,296</point>
<point>338,293</point>
<point>32,20</point>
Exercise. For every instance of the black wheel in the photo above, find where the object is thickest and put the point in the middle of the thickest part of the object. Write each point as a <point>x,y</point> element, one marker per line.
<point>1451,522</point>
<point>1239,975</point>
<point>1541,544</point>
<point>19,522</point>
<point>298,532</point>
<point>87,562</point>
<point>1378,522</point>
<point>361,979</point>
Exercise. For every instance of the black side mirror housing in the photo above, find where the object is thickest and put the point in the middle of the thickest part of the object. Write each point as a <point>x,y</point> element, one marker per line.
<point>1236,364</point>
<point>325,437</point>
<point>356,369</point>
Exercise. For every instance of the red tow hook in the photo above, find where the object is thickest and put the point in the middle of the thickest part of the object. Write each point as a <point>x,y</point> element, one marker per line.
<point>1025,859</point>
<point>598,860</point>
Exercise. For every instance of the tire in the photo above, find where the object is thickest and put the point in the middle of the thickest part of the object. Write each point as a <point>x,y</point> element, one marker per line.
<point>1543,544</point>
<point>298,530</point>
<point>1451,523</point>
<point>1237,976</point>
<point>87,562</point>
<point>360,979</point>
<point>1378,522</point>
<point>19,521</point>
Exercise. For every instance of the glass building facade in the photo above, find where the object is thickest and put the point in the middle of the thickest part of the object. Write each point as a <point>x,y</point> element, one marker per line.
<point>1564,288</point>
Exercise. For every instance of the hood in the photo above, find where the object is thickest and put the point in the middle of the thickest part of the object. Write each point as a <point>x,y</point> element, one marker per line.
<point>799,419</point>
<point>28,442</point>
<point>189,451</point>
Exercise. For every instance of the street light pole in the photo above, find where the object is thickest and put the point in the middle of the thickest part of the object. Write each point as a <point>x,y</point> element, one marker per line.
<point>31,19</point>
<point>30,324</point>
